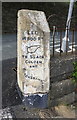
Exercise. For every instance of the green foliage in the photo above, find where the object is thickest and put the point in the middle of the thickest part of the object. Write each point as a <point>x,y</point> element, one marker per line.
<point>74,74</point>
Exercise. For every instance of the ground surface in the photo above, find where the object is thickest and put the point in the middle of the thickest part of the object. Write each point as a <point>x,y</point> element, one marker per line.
<point>21,111</point>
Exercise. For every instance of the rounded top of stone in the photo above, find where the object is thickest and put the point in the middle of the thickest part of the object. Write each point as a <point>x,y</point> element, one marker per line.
<point>27,10</point>
<point>38,18</point>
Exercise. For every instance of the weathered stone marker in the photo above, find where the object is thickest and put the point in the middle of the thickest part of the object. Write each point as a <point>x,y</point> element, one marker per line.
<point>33,57</point>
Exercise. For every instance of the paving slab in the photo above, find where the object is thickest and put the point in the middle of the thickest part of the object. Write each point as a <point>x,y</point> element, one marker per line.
<point>65,111</point>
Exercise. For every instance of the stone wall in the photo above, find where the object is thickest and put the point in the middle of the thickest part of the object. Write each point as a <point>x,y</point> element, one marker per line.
<point>61,67</point>
<point>62,89</point>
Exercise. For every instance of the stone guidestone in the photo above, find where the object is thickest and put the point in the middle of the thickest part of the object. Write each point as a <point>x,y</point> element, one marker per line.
<point>33,55</point>
<point>33,101</point>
